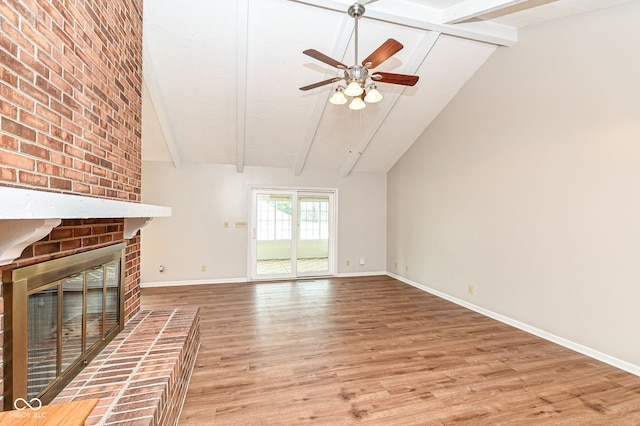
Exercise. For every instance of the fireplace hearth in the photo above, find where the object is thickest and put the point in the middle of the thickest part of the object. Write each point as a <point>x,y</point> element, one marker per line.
<point>59,315</point>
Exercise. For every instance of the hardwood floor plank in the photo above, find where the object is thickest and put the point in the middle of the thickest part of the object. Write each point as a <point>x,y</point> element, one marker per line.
<point>375,351</point>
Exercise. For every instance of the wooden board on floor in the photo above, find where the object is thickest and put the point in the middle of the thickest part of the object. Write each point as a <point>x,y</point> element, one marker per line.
<point>68,414</point>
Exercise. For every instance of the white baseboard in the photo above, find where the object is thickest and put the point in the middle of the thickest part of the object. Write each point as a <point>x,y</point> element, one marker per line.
<point>607,359</point>
<point>359,274</point>
<point>193,282</point>
<point>244,280</point>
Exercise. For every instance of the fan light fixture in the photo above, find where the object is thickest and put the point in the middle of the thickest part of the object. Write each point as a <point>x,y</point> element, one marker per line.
<point>353,89</point>
<point>357,104</point>
<point>356,76</point>
<point>338,97</point>
<point>373,95</point>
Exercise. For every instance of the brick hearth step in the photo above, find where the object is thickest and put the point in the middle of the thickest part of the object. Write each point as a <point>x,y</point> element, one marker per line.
<point>141,377</point>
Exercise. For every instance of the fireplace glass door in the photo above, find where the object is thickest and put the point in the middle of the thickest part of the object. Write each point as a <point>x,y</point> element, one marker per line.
<point>72,319</point>
<point>43,340</point>
<point>111,296</point>
<point>67,319</point>
<point>68,312</point>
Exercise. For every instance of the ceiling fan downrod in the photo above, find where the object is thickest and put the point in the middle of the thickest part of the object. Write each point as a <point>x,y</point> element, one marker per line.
<point>356,10</point>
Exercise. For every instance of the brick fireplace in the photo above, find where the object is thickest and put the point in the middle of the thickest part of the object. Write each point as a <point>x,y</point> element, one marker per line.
<point>70,98</point>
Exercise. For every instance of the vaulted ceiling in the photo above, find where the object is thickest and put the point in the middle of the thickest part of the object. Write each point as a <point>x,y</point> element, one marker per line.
<point>222,78</point>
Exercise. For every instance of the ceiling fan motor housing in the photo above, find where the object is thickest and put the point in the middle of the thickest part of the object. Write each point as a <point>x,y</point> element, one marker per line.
<point>356,73</point>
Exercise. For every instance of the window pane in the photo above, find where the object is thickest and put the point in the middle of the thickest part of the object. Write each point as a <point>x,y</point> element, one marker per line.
<point>273,217</point>
<point>273,233</point>
<point>314,219</point>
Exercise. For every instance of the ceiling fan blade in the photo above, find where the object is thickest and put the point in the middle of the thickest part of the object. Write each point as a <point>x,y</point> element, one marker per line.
<point>382,53</point>
<point>321,83</point>
<point>324,58</point>
<point>389,77</point>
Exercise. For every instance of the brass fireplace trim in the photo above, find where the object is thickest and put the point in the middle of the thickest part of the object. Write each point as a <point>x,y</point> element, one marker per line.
<point>18,285</point>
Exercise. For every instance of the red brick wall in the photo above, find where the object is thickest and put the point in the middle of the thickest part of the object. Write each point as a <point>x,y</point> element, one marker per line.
<point>132,278</point>
<point>70,94</point>
<point>71,108</point>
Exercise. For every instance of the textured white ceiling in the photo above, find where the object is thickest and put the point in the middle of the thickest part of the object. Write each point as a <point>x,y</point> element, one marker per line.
<point>222,78</point>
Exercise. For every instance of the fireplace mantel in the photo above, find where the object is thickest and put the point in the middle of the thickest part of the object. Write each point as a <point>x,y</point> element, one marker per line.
<point>26,216</point>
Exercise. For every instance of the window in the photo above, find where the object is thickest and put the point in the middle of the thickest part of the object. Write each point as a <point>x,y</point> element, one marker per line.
<point>274,217</point>
<point>314,219</point>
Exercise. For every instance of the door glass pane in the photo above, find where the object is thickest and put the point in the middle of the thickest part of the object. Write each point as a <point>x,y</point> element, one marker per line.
<point>95,282</point>
<point>112,296</point>
<point>273,234</point>
<point>313,236</point>
<point>43,338</point>
<point>72,304</point>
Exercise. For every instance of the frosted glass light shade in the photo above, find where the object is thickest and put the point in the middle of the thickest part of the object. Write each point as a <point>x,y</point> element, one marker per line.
<point>373,96</point>
<point>353,89</point>
<point>357,104</point>
<point>338,98</point>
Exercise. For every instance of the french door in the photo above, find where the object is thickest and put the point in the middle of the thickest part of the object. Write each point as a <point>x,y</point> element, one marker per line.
<point>292,234</point>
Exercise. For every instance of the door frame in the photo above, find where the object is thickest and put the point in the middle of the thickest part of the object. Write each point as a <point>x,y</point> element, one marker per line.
<point>253,190</point>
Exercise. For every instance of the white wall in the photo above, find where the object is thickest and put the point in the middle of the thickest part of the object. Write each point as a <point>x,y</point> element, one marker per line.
<point>203,197</point>
<point>527,186</point>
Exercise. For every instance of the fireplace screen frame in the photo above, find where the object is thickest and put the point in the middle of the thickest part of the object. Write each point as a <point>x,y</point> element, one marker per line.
<point>20,283</point>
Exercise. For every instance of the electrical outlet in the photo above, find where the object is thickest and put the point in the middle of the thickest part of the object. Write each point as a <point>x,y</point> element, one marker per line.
<point>362,261</point>
<point>203,268</point>
<point>406,268</point>
<point>226,224</point>
<point>471,289</point>
<point>348,262</point>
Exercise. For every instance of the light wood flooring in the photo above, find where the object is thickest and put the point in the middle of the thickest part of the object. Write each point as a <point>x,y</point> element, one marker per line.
<point>375,351</point>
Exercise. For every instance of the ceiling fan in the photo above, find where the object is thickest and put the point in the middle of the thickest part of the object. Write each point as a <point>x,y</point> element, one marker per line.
<point>356,76</point>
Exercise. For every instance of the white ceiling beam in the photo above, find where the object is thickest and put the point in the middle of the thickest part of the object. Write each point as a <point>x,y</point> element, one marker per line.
<point>473,8</point>
<point>415,16</point>
<point>241,81</point>
<point>424,47</point>
<point>153,88</point>
<point>321,102</point>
